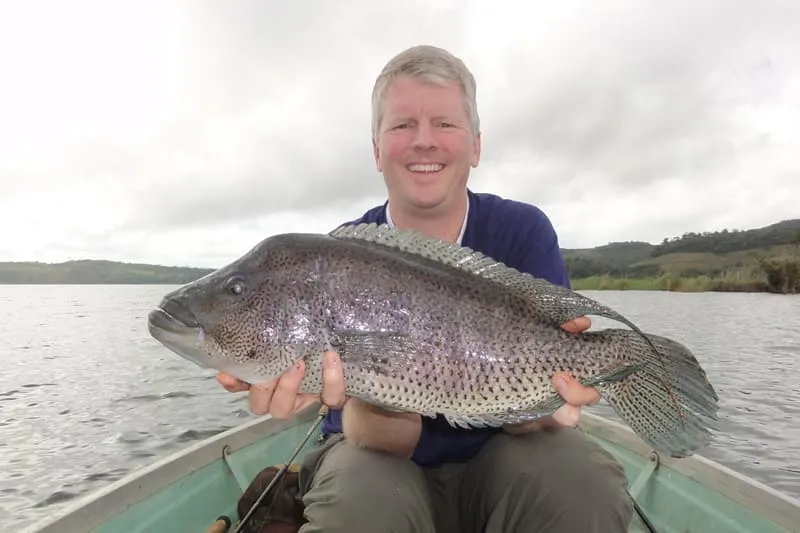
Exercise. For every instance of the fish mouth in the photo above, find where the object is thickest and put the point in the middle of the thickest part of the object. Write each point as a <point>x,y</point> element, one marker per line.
<point>171,315</point>
<point>160,321</point>
<point>176,328</point>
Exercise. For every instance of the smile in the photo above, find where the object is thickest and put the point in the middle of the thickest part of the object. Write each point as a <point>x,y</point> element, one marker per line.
<point>426,167</point>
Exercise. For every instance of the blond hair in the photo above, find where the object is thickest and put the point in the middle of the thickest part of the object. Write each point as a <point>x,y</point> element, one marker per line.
<point>430,65</point>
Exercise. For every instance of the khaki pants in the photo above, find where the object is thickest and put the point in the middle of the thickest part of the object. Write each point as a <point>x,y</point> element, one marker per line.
<point>554,481</point>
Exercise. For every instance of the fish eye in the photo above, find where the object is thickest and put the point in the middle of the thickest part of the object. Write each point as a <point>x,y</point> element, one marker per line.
<point>235,285</point>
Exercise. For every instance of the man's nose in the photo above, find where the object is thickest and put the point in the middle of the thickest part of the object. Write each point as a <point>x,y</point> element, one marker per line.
<point>424,138</point>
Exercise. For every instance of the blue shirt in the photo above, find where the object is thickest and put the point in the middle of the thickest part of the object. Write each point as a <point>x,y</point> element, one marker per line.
<point>515,233</point>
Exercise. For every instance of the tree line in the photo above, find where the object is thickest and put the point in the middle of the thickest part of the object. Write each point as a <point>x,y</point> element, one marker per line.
<point>724,241</point>
<point>91,272</point>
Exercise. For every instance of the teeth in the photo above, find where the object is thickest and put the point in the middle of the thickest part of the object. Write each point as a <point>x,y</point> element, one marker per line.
<point>426,168</point>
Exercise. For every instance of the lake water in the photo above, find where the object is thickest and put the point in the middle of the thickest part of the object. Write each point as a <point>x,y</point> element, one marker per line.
<point>86,396</point>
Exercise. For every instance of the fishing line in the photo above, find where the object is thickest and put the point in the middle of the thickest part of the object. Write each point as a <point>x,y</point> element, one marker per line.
<point>650,527</point>
<point>320,417</point>
<point>280,473</point>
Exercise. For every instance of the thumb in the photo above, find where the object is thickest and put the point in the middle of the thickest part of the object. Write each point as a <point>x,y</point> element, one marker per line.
<point>573,392</point>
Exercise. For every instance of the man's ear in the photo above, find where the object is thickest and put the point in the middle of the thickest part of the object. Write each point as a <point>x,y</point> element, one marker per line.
<point>377,154</point>
<point>476,150</point>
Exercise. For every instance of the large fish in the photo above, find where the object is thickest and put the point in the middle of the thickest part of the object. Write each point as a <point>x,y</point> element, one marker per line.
<point>433,328</point>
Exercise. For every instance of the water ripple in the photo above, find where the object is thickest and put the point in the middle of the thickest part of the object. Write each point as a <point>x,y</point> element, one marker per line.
<point>87,397</point>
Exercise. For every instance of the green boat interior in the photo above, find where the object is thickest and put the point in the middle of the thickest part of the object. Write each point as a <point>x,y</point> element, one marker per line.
<point>188,491</point>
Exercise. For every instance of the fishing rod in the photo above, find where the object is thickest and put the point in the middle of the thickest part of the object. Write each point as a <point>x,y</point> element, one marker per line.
<point>224,522</point>
<point>639,511</point>
<point>280,473</point>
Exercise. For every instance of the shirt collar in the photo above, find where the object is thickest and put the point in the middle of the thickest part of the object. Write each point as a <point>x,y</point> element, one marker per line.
<point>390,222</point>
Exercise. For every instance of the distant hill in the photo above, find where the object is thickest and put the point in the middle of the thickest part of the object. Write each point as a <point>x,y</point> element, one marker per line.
<point>88,272</point>
<point>761,259</point>
<point>748,256</point>
<point>725,241</point>
<point>613,259</point>
<point>691,254</point>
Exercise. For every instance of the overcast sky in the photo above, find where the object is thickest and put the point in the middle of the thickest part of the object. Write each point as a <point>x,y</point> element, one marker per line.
<point>185,132</point>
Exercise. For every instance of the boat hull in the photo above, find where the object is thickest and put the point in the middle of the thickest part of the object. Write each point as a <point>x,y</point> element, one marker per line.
<point>187,491</point>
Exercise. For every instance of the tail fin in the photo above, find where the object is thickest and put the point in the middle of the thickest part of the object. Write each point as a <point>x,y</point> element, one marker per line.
<point>667,401</point>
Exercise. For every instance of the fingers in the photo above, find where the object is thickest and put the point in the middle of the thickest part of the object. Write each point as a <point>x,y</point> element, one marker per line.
<point>577,325</point>
<point>573,392</point>
<point>284,399</point>
<point>567,415</point>
<point>333,381</point>
<point>260,397</point>
<point>280,398</point>
<point>230,383</point>
<point>304,400</point>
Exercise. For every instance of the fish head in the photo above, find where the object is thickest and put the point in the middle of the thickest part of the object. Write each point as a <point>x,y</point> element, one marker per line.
<point>227,320</point>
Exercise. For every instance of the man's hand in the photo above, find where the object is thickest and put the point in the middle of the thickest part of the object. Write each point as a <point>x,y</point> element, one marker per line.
<point>281,398</point>
<point>575,395</point>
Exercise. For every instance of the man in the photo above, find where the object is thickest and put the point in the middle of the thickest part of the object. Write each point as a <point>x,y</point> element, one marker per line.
<point>385,471</point>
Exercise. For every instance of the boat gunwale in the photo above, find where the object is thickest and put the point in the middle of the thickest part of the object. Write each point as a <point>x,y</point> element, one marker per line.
<point>763,500</point>
<point>92,510</point>
<point>96,508</point>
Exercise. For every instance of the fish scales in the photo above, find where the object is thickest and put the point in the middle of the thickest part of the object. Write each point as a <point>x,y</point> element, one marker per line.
<point>465,353</point>
<point>433,328</point>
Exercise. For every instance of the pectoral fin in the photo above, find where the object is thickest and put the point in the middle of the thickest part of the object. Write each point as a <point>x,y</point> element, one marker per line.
<point>379,352</point>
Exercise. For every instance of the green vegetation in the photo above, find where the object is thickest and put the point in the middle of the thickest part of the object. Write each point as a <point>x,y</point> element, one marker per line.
<point>757,260</point>
<point>718,242</point>
<point>90,272</point>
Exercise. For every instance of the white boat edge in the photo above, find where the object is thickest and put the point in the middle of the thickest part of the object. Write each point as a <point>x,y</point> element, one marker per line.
<point>751,494</point>
<point>92,510</point>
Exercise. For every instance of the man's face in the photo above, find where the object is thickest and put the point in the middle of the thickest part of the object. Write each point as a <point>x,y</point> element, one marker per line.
<point>425,146</point>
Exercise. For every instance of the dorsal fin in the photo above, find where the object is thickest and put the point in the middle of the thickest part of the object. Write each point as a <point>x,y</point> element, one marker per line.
<point>554,304</point>
<point>555,301</point>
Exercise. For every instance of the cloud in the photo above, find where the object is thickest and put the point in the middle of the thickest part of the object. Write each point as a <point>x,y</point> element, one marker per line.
<point>186,132</point>
<point>654,119</point>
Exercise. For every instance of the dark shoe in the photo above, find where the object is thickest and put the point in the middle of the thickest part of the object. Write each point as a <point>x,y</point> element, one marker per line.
<point>281,511</point>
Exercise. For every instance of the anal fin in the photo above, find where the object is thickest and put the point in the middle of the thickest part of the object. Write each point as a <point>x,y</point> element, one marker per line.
<point>499,419</point>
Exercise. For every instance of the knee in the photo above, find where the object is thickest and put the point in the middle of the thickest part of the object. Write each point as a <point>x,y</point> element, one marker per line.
<point>582,479</point>
<point>562,481</point>
<point>358,490</point>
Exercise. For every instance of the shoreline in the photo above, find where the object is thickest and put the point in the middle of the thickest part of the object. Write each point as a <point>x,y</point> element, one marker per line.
<point>675,284</point>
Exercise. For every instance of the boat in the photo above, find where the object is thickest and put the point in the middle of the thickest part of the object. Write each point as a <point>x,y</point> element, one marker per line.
<point>190,490</point>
